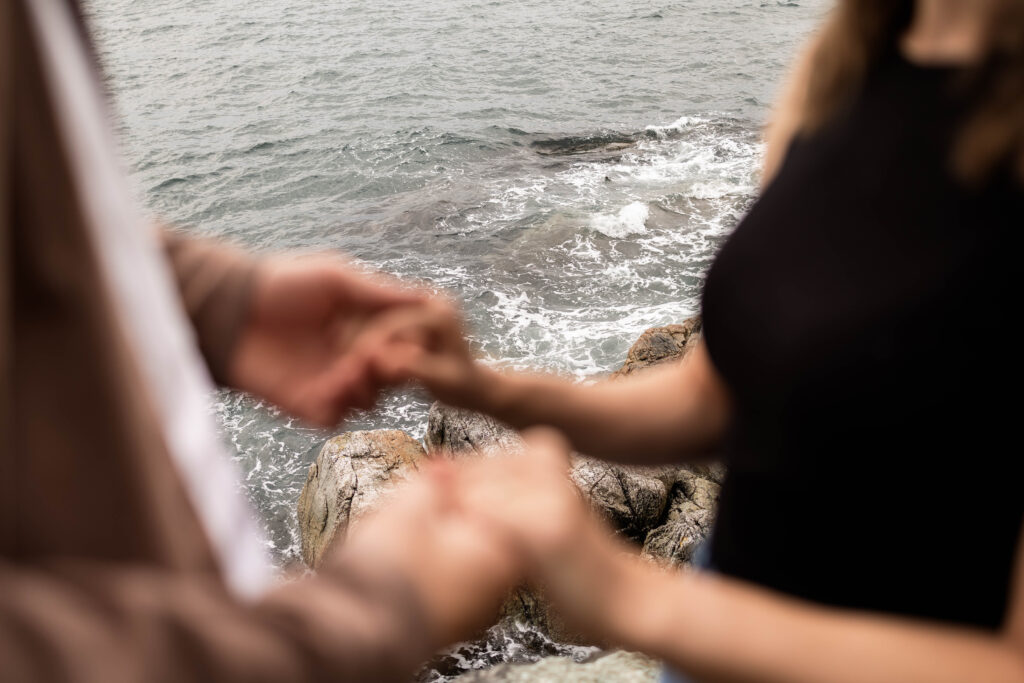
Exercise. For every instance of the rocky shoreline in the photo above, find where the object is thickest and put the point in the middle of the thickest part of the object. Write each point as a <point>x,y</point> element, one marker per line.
<point>666,511</point>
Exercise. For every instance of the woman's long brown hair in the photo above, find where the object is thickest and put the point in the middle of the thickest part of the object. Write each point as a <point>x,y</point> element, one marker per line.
<point>861,32</point>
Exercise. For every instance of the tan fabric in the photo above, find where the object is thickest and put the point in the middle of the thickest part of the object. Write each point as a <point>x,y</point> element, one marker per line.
<point>215,283</point>
<point>105,573</point>
<point>6,340</point>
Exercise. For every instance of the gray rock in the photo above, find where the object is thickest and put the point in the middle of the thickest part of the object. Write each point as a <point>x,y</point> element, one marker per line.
<point>348,478</point>
<point>691,514</point>
<point>463,432</point>
<point>660,345</point>
<point>632,499</point>
<point>595,145</point>
<point>606,667</point>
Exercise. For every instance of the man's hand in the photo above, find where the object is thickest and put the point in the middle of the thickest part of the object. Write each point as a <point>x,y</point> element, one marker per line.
<point>458,570</point>
<point>304,315</point>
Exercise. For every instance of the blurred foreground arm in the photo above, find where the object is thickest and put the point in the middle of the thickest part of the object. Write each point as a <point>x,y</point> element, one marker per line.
<point>720,629</point>
<point>712,627</point>
<point>671,412</point>
<point>407,581</point>
<point>85,622</point>
<point>216,287</point>
<point>279,327</point>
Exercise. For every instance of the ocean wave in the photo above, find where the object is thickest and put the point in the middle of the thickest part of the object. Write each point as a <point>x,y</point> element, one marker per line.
<point>630,220</point>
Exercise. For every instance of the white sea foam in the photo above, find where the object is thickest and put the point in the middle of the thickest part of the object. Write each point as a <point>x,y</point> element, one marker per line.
<point>630,220</point>
<point>676,126</point>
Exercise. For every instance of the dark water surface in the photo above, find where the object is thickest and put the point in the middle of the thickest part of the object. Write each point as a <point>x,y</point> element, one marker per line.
<point>568,170</point>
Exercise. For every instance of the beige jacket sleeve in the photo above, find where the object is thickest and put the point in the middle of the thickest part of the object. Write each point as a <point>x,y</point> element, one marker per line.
<point>216,283</point>
<point>104,575</point>
<point>85,622</point>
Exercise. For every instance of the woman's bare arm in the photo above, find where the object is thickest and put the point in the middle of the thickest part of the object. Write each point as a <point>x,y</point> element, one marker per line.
<point>718,629</point>
<point>676,411</point>
<point>712,627</point>
<point>666,414</point>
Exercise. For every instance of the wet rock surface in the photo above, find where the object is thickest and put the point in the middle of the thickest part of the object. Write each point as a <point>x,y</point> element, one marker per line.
<point>631,499</point>
<point>456,431</point>
<point>350,475</point>
<point>660,345</point>
<point>689,518</point>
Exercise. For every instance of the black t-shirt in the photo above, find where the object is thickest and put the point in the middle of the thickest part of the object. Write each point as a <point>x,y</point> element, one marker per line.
<point>864,316</point>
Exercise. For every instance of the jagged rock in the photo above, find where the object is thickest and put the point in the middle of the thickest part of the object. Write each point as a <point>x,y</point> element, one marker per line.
<point>631,499</point>
<point>661,344</point>
<point>605,667</point>
<point>691,513</point>
<point>463,432</point>
<point>349,476</point>
<point>715,471</point>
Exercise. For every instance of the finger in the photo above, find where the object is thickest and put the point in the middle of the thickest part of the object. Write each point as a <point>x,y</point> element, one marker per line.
<point>375,291</point>
<point>358,374</point>
<point>411,323</point>
<point>398,362</point>
<point>350,382</point>
<point>389,340</point>
<point>442,476</point>
<point>548,445</point>
<point>339,390</point>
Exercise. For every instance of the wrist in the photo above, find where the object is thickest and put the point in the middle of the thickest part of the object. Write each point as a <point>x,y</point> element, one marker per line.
<point>645,605</point>
<point>491,391</point>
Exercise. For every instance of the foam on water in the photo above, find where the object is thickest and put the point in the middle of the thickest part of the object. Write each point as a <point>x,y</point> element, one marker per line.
<point>630,220</point>
<point>512,642</point>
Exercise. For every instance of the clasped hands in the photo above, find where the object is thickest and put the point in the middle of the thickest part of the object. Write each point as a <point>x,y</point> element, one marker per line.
<point>323,338</point>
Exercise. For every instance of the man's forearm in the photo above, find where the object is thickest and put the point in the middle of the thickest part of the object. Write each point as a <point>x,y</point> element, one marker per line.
<point>215,283</point>
<point>103,622</point>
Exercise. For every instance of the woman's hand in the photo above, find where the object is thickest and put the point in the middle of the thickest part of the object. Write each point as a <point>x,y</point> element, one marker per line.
<point>427,343</point>
<point>529,501</point>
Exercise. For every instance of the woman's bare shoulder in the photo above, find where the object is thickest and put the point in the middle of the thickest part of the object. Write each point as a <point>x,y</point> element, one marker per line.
<point>787,115</point>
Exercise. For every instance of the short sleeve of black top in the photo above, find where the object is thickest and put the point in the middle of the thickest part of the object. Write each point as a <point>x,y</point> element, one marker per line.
<point>864,315</point>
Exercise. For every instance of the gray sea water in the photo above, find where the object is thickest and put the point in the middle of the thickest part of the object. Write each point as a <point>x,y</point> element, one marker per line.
<point>567,170</point>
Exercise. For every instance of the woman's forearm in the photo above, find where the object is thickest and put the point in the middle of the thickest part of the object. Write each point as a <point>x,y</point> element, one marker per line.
<point>718,629</point>
<point>665,414</point>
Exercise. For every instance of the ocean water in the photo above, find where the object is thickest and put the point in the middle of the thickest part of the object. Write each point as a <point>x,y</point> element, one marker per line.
<point>566,170</point>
